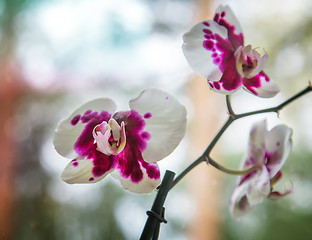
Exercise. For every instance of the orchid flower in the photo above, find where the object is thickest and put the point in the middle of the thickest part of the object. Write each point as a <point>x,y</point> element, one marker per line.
<point>127,143</point>
<point>268,150</point>
<point>215,50</point>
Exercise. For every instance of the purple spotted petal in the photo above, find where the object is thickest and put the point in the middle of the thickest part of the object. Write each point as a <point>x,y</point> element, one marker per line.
<point>259,187</point>
<point>239,204</point>
<point>70,129</point>
<point>163,123</point>
<point>231,80</point>
<point>133,172</point>
<point>199,48</point>
<point>278,145</point>
<point>256,145</point>
<point>209,49</point>
<point>261,86</point>
<point>225,17</point>
<point>81,171</point>
<point>252,190</point>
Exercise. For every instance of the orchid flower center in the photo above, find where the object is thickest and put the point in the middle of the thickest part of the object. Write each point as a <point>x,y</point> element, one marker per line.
<point>110,138</point>
<point>249,62</point>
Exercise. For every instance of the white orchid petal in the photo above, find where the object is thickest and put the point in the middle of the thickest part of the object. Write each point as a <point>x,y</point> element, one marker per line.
<point>278,195</point>
<point>238,60</point>
<point>239,204</point>
<point>251,191</point>
<point>115,128</point>
<point>259,187</point>
<point>80,171</point>
<point>165,122</point>
<point>69,130</point>
<point>278,145</point>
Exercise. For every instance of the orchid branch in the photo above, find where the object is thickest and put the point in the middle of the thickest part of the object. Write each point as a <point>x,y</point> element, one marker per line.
<point>233,117</point>
<point>213,163</point>
<point>229,106</point>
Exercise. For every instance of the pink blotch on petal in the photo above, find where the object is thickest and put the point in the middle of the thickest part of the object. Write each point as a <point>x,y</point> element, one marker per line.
<point>147,115</point>
<point>75,120</point>
<point>254,83</point>
<point>130,160</point>
<point>86,147</point>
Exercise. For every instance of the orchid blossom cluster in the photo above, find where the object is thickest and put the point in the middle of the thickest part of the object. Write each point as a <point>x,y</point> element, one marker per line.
<point>128,144</point>
<point>215,50</point>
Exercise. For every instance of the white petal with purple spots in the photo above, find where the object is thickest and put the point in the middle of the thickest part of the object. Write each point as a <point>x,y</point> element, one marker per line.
<point>80,171</point>
<point>261,85</point>
<point>200,50</point>
<point>278,145</point>
<point>165,122</point>
<point>145,185</point>
<point>69,130</point>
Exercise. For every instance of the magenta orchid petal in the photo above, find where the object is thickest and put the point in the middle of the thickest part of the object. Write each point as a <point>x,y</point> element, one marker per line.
<point>164,123</point>
<point>134,173</point>
<point>261,86</point>
<point>278,145</point>
<point>230,81</point>
<point>69,130</point>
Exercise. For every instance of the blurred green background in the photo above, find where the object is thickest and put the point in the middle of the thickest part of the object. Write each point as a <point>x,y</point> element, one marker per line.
<point>57,54</point>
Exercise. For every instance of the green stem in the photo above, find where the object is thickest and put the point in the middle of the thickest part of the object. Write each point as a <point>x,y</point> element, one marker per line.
<point>233,117</point>
<point>229,106</point>
<point>278,107</point>
<point>230,171</point>
<point>202,158</point>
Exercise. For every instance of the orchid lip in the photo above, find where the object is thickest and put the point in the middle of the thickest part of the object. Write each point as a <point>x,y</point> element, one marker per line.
<point>110,137</point>
<point>249,62</point>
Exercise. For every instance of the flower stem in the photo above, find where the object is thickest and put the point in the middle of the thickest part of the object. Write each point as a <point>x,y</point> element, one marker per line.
<point>228,105</point>
<point>202,158</point>
<point>233,117</point>
<point>278,107</point>
<point>230,171</point>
